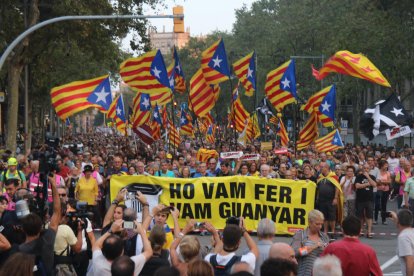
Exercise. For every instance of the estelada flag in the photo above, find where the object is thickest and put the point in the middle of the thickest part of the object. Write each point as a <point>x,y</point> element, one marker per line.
<point>201,99</point>
<point>176,74</point>
<point>146,73</point>
<point>280,87</point>
<point>330,142</point>
<point>214,63</point>
<point>356,65</point>
<point>141,109</point>
<point>71,98</point>
<point>282,133</point>
<point>323,103</point>
<point>204,154</point>
<point>245,70</point>
<point>117,112</point>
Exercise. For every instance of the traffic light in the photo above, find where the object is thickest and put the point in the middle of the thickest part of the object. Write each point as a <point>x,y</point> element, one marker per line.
<point>178,21</point>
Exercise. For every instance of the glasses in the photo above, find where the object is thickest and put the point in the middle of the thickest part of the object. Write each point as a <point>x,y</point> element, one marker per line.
<point>62,195</point>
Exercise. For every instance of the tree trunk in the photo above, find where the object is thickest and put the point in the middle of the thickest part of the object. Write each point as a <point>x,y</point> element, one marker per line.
<point>16,64</point>
<point>12,105</point>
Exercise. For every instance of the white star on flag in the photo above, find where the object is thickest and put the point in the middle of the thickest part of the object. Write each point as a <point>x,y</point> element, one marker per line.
<point>216,62</point>
<point>178,67</point>
<point>101,95</point>
<point>249,73</point>
<point>335,140</point>
<point>171,81</point>
<point>156,72</point>
<point>146,102</point>
<point>397,112</point>
<point>155,114</point>
<point>118,111</point>
<point>286,83</point>
<point>325,106</point>
<point>182,120</point>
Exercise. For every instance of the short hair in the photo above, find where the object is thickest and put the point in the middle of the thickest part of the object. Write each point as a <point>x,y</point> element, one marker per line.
<point>231,237</point>
<point>328,265</point>
<point>315,214</point>
<point>13,181</point>
<point>123,265</point>
<point>278,267</point>
<point>241,269</point>
<point>200,267</point>
<point>112,247</point>
<point>129,214</point>
<point>189,248</point>
<point>351,226</point>
<point>157,237</point>
<point>405,217</point>
<point>266,228</point>
<point>32,224</point>
<point>264,166</point>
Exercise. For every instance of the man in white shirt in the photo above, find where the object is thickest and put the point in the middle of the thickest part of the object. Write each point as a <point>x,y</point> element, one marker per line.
<point>405,246</point>
<point>108,247</point>
<point>231,240</point>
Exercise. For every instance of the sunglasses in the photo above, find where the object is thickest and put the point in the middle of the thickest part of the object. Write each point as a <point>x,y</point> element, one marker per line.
<point>62,195</point>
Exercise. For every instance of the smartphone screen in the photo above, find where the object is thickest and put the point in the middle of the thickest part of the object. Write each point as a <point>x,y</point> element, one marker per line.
<point>128,225</point>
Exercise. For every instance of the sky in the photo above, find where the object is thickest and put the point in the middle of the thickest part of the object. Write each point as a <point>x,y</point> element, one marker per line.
<point>202,16</point>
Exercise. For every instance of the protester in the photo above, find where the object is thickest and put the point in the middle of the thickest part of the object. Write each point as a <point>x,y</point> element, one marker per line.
<point>383,190</point>
<point>356,258</point>
<point>280,250</point>
<point>309,243</point>
<point>348,187</point>
<point>328,265</point>
<point>405,246</point>
<point>265,233</point>
<point>278,267</point>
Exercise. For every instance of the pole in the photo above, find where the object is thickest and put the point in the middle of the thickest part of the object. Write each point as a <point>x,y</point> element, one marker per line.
<point>190,103</point>
<point>39,25</point>
<point>26,91</point>
<point>173,118</point>
<point>233,115</point>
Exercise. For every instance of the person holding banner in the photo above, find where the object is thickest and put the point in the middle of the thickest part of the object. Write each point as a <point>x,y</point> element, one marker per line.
<point>310,243</point>
<point>225,169</point>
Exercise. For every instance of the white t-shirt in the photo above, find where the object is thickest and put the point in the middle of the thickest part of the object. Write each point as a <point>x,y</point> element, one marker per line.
<point>88,230</point>
<point>405,247</point>
<point>64,237</point>
<point>249,258</point>
<point>102,267</point>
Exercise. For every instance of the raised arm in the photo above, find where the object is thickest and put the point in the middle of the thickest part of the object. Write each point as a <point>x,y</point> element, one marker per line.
<point>4,243</point>
<point>175,214</point>
<point>145,242</point>
<point>175,258</point>
<point>249,241</point>
<point>55,219</point>
<point>110,213</point>
<point>115,227</point>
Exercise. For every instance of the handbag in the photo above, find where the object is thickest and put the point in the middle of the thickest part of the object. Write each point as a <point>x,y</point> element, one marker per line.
<point>63,264</point>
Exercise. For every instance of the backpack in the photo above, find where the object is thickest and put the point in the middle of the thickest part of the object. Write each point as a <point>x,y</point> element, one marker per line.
<point>220,270</point>
<point>19,173</point>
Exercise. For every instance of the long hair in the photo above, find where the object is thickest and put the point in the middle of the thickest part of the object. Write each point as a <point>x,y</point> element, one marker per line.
<point>18,264</point>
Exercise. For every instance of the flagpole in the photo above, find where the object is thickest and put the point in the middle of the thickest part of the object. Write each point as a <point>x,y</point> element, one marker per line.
<point>255,81</point>
<point>233,115</point>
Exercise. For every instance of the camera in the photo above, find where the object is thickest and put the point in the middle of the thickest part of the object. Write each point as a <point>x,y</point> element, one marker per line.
<point>128,225</point>
<point>79,215</point>
<point>199,225</point>
<point>233,220</point>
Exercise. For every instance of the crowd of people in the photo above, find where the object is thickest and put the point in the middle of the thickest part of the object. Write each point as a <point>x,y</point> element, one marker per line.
<point>57,217</point>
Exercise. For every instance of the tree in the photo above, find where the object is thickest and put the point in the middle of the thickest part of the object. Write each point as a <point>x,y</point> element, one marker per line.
<point>66,51</point>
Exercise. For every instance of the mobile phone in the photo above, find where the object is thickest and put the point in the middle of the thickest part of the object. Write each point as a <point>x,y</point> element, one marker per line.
<point>128,225</point>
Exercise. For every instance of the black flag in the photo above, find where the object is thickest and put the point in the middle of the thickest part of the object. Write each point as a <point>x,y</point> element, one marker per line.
<point>384,114</point>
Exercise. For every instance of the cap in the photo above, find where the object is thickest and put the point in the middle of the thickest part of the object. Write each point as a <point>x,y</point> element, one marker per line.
<point>328,153</point>
<point>87,168</point>
<point>12,161</point>
<point>169,156</point>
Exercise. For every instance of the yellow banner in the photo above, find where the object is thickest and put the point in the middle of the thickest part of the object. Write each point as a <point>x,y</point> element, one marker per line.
<point>214,199</point>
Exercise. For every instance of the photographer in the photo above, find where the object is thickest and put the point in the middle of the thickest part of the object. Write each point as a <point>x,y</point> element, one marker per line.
<point>109,246</point>
<point>226,256</point>
<point>115,211</point>
<point>65,243</point>
<point>77,213</point>
<point>41,243</point>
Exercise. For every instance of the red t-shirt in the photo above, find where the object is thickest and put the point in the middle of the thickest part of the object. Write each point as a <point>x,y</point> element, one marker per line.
<point>356,258</point>
<point>64,172</point>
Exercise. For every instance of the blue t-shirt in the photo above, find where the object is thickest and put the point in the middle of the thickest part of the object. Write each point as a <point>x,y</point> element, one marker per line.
<point>167,174</point>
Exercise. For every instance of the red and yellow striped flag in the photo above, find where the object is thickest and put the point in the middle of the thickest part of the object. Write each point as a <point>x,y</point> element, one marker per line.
<point>308,133</point>
<point>141,114</point>
<point>116,111</point>
<point>356,65</point>
<point>176,74</point>
<point>173,136</point>
<point>214,63</point>
<point>330,142</point>
<point>146,73</point>
<point>210,135</point>
<point>71,98</point>
<point>245,70</point>
<point>239,115</point>
<point>204,154</point>
<point>280,87</point>
<point>201,98</point>
<point>282,133</point>
<point>253,128</point>
<point>156,130</point>
<point>314,103</point>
